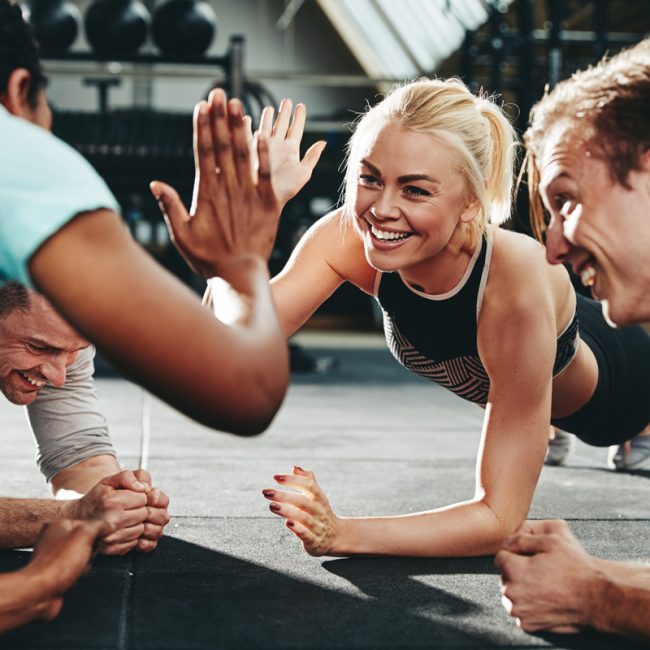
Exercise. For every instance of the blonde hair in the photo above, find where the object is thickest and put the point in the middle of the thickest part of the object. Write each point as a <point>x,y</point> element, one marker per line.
<point>609,104</point>
<point>471,125</point>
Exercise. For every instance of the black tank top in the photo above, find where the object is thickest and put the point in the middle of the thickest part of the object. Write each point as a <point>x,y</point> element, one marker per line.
<point>436,335</point>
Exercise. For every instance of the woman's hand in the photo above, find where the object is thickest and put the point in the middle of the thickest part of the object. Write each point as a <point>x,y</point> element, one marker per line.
<point>307,512</point>
<point>242,183</point>
<point>235,211</point>
<point>289,173</point>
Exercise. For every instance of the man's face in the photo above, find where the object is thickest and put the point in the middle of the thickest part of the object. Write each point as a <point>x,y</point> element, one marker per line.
<point>598,226</point>
<point>36,347</point>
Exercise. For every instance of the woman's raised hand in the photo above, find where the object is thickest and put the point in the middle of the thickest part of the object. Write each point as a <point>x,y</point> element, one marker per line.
<point>306,510</point>
<point>235,211</point>
<point>289,173</point>
<point>242,183</point>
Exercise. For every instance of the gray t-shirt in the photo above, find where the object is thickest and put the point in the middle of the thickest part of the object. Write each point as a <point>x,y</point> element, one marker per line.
<point>67,421</point>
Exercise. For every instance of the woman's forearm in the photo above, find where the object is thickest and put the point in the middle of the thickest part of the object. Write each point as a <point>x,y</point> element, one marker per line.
<point>464,529</point>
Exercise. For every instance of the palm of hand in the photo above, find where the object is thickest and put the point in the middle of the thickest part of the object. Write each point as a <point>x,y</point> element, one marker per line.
<point>288,172</point>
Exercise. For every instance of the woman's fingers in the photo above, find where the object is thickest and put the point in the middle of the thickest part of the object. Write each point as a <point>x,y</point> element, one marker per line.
<point>283,120</point>
<point>264,185</point>
<point>266,122</point>
<point>294,499</point>
<point>312,156</point>
<point>303,533</point>
<point>298,123</point>
<point>303,483</point>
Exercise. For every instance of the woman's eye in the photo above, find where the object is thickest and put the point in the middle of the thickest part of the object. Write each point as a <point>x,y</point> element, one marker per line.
<point>367,179</point>
<point>413,190</point>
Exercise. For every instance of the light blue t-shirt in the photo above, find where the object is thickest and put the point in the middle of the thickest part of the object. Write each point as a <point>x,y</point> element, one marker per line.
<point>44,183</point>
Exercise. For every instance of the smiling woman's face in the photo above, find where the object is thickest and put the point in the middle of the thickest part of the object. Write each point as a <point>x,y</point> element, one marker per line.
<point>598,226</point>
<point>410,198</point>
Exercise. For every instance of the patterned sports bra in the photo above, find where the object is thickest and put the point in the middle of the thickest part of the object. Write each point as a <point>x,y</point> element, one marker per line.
<point>436,335</point>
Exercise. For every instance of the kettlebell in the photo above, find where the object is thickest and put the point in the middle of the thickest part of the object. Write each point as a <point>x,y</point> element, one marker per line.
<point>117,26</point>
<point>55,22</point>
<point>184,27</point>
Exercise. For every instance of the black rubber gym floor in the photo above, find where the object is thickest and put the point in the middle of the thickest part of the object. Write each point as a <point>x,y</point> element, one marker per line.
<point>230,575</point>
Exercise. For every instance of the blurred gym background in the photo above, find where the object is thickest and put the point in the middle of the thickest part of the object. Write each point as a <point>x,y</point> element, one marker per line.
<point>124,76</point>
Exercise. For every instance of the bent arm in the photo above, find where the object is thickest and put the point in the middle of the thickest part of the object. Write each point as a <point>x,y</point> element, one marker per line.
<point>74,450</point>
<point>511,452</point>
<point>74,481</point>
<point>327,255</point>
<point>155,329</point>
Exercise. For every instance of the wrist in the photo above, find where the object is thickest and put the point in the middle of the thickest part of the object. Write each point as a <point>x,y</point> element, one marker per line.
<point>232,268</point>
<point>596,594</point>
<point>344,541</point>
<point>69,509</point>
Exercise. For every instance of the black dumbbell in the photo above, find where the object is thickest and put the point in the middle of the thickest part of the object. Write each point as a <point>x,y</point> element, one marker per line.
<point>117,26</point>
<point>55,22</point>
<point>184,27</point>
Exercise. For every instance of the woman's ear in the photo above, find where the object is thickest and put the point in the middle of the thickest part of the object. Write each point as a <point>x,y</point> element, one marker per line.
<point>472,209</point>
<point>16,96</point>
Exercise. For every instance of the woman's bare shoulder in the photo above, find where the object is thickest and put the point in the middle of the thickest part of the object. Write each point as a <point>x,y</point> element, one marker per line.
<point>521,279</point>
<point>342,246</point>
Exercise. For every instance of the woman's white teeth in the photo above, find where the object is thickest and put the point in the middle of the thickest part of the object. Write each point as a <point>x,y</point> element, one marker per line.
<point>386,235</point>
<point>33,382</point>
<point>588,276</point>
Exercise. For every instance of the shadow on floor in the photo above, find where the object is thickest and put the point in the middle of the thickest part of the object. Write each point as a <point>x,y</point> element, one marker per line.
<point>187,596</point>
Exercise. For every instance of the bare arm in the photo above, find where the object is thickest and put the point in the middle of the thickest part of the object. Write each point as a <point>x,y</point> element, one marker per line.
<point>79,478</point>
<point>21,520</point>
<point>327,255</point>
<point>126,499</point>
<point>153,327</point>
<point>74,449</point>
<point>514,436</point>
<point>551,583</point>
<point>68,425</point>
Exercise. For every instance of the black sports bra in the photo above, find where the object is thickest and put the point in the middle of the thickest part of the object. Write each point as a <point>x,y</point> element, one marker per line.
<point>436,335</point>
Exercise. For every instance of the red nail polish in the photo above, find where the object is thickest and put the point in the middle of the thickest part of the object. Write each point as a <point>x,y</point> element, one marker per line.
<point>279,478</point>
<point>275,507</point>
<point>290,524</point>
<point>269,494</point>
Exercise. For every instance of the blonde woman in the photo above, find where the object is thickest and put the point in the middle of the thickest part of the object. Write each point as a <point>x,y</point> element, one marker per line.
<point>472,307</point>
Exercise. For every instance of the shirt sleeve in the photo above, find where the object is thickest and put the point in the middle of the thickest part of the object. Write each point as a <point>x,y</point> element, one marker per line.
<point>44,184</point>
<point>67,421</point>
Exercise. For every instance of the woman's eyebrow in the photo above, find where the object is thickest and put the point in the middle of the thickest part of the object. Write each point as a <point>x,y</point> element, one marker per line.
<point>409,178</point>
<point>371,167</point>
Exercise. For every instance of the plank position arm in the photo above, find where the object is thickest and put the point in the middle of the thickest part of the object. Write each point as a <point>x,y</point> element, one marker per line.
<point>515,430</point>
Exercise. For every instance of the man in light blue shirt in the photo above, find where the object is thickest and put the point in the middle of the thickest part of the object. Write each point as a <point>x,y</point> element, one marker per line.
<point>60,232</point>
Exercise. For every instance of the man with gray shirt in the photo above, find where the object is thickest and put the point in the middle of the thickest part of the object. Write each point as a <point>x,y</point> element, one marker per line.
<point>48,367</point>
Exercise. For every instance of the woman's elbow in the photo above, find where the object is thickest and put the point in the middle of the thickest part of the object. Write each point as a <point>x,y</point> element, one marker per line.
<point>503,526</point>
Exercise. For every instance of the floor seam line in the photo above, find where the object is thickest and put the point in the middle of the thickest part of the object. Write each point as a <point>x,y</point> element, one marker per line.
<point>125,608</point>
